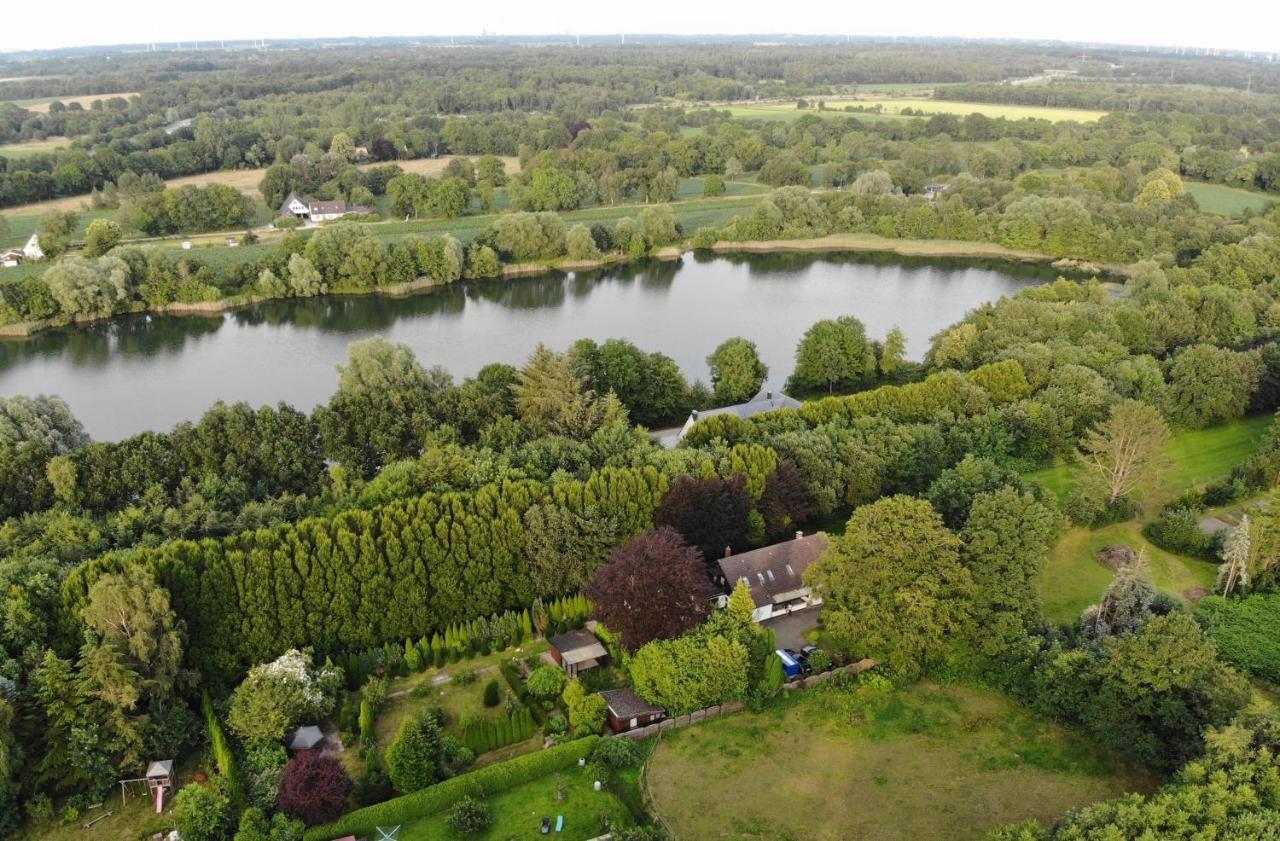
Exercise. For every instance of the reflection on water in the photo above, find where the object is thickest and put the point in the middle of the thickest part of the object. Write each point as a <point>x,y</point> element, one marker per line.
<point>146,372</point>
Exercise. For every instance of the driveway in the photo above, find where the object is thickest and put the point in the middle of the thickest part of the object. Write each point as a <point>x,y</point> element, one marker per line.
<point>791,628</point>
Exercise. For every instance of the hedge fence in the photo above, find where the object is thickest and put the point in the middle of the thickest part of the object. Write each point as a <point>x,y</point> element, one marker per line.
<point>435,799</point>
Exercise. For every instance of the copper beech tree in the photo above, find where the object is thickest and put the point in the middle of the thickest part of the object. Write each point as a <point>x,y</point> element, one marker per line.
<point>653,587</point>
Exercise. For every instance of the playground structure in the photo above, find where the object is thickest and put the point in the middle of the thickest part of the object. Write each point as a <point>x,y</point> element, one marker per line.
<point>158,779</point>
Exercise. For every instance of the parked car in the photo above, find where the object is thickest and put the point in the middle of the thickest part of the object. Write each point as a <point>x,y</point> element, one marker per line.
<point>806,651</point>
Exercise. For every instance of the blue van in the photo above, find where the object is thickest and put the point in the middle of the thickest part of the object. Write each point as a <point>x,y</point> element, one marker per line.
<point>790,665</point>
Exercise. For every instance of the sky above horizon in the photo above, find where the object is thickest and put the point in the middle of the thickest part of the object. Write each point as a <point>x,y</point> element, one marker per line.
<point>84,23</point>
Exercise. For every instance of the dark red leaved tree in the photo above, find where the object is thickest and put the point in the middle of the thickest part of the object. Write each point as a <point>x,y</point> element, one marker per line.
<point>654,587</point>
<point>785,503</point>
<point>711,514</point>
<point>314,788</point>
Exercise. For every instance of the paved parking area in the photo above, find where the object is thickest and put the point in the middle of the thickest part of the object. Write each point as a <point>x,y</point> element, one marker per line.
<point>791,628</point>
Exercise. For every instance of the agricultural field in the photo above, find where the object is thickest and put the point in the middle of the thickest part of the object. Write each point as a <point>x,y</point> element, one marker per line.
<point>32,147</point>
<point>891,108</point>
<point>1227,201</point>
<point>922,762</point>
<point>41,106</point>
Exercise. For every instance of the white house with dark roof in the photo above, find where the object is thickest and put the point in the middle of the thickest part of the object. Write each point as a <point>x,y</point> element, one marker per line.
<point>311,210</point>
<point>774,575</point>
<point>766,401</point>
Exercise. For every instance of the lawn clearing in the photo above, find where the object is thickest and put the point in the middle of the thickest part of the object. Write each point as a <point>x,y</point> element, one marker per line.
<point>1073,578</point>
<point>518,813</point>
<point>1198,456</point>
<point>920,763</point>
<point>1227,201</point>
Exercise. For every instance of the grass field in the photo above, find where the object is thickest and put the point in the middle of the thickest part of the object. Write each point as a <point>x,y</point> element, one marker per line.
<point>1073,578</point>
<point>891,107</point>
<point>1227,201</point>
<point>41,106</point>
<point>1198,456</point>
<point>32,147</point>
<point>917,764</point>
<point>518,813</point>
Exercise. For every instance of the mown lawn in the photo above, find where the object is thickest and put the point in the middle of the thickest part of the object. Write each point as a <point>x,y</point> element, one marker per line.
<point>1198,456</point>
<point>1073,578</point>
<point>1227,201</point>
<point>918,764</point>
<point>32,147</point>
<point>518,813</point>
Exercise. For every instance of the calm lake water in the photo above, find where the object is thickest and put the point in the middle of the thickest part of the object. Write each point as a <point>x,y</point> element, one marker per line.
<point>139,373</point>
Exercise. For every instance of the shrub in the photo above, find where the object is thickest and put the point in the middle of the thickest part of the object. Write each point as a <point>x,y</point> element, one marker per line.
<point>492,694</point>
<point>469,817</point>
<point>546,681</point>
<point>820,661</point>
<point>1178,530</point>
<point>478,784</point>
<point>367,733</point>
<point>616,753</point>
<point>1247,632</point>
<point>202,813</point>
<point>313,788</point>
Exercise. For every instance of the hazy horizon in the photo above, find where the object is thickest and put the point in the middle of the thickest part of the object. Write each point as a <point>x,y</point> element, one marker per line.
<point>1090,21</point>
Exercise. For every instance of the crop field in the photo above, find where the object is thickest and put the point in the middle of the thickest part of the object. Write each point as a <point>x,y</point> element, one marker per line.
<point>32,147</point>
<point>41,106</point>
<point>891,108</point>
<point>1227,201</point>
<point>922,762</point>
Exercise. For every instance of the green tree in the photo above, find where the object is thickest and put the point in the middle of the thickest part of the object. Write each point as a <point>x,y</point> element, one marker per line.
<point>131,612</point>
<point>546,681</point>
<point>552,399</point>
<point>579,244</point>
<point>202,812</point>
<point>713,185</point>
<point>414,759</point>
<point>833,351</point>
<point>736,371</point>
<point>281,694</point>
<point>343,146</point>
<point>101,236</point>
<point>586,710</point>
<point>893,586</point>
<point>1127,453</point>
<point>1210,385</point>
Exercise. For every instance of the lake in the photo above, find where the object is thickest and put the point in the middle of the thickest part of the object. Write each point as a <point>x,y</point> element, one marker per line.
<point>148,372</point>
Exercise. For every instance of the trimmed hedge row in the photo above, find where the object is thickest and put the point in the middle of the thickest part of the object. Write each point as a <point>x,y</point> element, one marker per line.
<point>435,799</point>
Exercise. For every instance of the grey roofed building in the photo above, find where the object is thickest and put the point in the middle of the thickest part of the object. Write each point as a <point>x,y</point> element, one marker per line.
<point>160,768</point>
<point>304,738</point>
<point>774,574</point>
<point>627,710</point>
<point>766,401</point>
<point>577,650</point>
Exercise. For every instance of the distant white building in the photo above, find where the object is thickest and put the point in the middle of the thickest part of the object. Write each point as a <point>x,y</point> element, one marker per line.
<point>765,401</point>
<point>310,210</point>
<point>32,250</point>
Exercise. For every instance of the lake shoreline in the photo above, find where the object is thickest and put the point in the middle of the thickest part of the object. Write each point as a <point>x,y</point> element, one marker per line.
<point>832,243</point>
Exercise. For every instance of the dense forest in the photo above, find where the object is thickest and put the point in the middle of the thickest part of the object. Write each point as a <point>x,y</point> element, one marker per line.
<point>261,564</point>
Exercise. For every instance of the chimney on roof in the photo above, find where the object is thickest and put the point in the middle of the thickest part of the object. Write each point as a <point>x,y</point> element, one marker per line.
<point>728,550</point>
<point>695,414</point>
<point>768,395</point>
<point>799,535</point>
